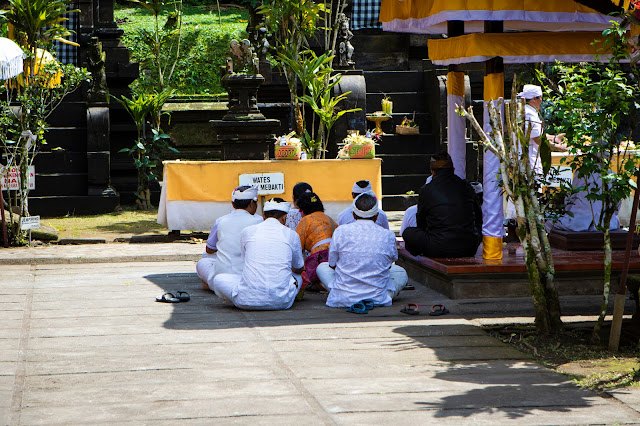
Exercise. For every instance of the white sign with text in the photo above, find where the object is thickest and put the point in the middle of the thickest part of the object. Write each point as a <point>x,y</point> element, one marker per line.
<point>268,183</point>
<point>12,179</point>
<point>31,222</point>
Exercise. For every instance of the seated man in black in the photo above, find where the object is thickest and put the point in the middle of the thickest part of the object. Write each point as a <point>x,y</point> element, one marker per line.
<point>449,218</point>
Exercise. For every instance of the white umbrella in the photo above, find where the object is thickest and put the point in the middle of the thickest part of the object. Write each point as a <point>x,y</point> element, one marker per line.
<point>11,59</point>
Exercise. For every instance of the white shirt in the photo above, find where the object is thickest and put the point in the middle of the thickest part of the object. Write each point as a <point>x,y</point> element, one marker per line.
<point>346,216</point>
<point>225,237</point>
<point>532,119</point>
<point>362,253</point>
<point>270,250</point>
<point>293,219</point>
<point>409,218</point>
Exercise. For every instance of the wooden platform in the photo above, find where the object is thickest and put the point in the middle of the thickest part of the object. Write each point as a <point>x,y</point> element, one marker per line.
<point>569,240</point>
<point>577,273</point>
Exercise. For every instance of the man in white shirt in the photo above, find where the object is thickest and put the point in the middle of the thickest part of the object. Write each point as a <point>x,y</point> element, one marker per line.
<point>222,252</point>
<point>273,263</point>
<point>361,259</point>
<point>346,216</point>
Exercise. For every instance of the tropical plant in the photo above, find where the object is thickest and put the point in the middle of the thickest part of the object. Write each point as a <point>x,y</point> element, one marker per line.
<point>146,149</point>
<point>520,183</point>
<point>291,22</point>
<point>163,42</point>
<point>597,106</point>
<point>325,105</point>
<point>38,91</point>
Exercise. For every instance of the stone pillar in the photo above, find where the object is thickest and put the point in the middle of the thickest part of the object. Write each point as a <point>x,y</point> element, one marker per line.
<point>98,151</point>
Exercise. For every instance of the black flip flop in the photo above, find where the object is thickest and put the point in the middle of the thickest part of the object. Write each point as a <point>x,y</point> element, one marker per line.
<point>183,296</point>
<point>167,298</point>
<point>410,309</point>
<point>437,310</point>
<point>409,287</point>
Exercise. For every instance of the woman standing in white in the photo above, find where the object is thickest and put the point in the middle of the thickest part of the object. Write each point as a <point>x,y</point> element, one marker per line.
<point>533,95</point>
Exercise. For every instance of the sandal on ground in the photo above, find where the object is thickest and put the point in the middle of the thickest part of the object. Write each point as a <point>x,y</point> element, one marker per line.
<point>358,308</point>
<point>410,309</point>
<point>437,310</point>
<point>183,296</point>
<point>167,298</point>
<point>409,287</point>
<point>368,304</point>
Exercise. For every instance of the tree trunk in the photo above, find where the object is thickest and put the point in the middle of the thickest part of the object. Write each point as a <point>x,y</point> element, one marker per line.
<point>595,336</point>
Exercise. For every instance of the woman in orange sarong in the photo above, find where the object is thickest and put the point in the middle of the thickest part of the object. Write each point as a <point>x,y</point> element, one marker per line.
<point>315,230</point>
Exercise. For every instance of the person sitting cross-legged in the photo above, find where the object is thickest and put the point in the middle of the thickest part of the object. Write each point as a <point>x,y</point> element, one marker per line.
<point>273,263</point>
<point>222,252</point>
<point>361,257</point>
<point>346,216</point>
<point>449,218</point>
<point>315,231</point>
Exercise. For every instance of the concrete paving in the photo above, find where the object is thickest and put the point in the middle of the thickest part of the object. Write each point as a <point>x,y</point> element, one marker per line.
<point>83,341</point>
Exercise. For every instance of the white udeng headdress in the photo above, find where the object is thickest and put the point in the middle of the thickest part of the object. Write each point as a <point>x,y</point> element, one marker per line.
<point>275,205</point>
<point>365,214</point>
<point>530,91</point>
<point>357,190</point>
<point>250,193</point>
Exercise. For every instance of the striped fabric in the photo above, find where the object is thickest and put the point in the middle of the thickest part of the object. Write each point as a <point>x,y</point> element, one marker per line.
<point>365,14</point>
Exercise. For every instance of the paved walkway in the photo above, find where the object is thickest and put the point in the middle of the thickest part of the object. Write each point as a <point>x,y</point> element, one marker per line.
<point>86,343</point>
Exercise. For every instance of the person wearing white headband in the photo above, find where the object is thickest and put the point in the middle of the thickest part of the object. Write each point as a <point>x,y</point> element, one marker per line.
<point>361,256</point>
<point>222,251</point>
<point>533,96</point>
<point>273,264</point>
<point>346,216</point>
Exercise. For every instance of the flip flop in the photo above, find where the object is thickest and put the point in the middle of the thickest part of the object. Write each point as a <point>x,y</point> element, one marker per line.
<point>410,309</point>
<point>437,310</point>
<point>167,298</point>
<point>409,287</point>
<point>358,308</point>
<point>183,296</point>
<point>368,304</point>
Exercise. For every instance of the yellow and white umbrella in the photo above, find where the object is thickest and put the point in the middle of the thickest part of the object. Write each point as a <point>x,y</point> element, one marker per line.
<point>11,59</point>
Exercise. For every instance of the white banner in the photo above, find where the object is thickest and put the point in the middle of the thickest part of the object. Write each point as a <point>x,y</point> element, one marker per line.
<point>12,179</point>
<point>268,183</point>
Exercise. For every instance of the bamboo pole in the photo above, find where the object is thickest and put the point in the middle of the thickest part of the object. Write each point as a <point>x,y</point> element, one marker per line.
<point>618,307</point>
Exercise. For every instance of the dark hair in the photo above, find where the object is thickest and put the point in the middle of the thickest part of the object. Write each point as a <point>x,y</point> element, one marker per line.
<point>241,204</point>
<point>276,214</point>
<point>309,202</point>
<point>299,189</point>
<point>366,202</point>
<point>363,183</point>
<point>441,161</point>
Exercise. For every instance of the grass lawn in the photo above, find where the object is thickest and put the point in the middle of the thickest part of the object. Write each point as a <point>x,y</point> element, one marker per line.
<point>204,46</point>
<point>124,223</point>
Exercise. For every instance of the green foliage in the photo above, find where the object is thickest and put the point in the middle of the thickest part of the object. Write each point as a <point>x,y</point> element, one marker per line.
<point>146,150</point>
<point>597,107</point>
<point>204,47</point>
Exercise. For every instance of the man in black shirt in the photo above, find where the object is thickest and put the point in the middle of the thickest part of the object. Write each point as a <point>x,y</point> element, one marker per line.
<point>449,218</point>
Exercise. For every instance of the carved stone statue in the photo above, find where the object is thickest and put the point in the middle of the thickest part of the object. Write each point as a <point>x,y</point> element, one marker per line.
<point>98,91</point>
<point>244,58</point>
<point>345,48</point>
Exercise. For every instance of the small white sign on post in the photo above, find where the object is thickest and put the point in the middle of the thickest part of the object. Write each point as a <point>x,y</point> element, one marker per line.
<point>11,180</point>
<point>268,183</point>
<point>31,222</point>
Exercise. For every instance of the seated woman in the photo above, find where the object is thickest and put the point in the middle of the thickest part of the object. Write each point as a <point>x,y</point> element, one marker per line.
<point>294,216</point>
<point>315,230</point>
